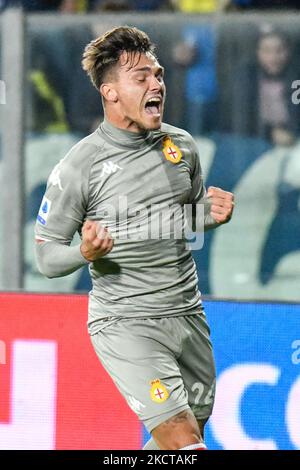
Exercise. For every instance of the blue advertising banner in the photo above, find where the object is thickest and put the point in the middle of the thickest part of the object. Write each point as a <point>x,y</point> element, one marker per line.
<point>257,353</point>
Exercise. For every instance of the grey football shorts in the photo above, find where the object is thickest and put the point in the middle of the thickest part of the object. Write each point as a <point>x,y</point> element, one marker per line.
<point>161,366</point>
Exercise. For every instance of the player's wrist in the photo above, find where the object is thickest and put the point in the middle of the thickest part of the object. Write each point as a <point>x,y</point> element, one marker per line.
<point>85,252</point>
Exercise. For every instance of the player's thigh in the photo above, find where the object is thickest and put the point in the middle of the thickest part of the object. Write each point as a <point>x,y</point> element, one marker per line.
<point>197,366</point>
<point>138,355</point>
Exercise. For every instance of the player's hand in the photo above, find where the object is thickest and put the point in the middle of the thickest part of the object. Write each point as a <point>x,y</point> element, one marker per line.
<point>96,240</point>
<point>222,204</point>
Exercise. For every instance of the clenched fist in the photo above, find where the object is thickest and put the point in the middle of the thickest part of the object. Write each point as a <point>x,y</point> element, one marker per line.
<point>222,204</point>
<point>96,240</point>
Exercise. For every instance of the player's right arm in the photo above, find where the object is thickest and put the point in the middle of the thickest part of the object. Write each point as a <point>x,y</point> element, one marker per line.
<point>62,213</point>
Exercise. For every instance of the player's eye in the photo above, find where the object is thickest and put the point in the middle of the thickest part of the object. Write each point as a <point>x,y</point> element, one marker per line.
<point>140,78</point>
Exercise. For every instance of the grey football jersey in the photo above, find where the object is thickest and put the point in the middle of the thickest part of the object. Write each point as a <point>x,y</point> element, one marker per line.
<point>101,177</point>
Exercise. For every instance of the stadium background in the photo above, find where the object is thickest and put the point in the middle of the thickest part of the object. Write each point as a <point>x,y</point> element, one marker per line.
<point>53,392</point>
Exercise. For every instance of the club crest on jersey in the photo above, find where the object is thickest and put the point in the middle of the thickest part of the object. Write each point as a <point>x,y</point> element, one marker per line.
<point>171,151</point>
<point>158,391</point>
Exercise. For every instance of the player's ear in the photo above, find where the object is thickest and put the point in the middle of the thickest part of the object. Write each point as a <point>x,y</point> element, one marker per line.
<point>108,92</point>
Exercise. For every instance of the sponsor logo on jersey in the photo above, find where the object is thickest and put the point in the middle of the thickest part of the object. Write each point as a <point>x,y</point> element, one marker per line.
<point>44,211</point>
<point>135,404</point>
<point>158,391</point>
<point>54,178</point>
<point>109,168</point>
<point>171,151</point>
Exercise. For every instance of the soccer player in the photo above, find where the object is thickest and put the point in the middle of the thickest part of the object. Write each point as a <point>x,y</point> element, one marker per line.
<point>146,319</point>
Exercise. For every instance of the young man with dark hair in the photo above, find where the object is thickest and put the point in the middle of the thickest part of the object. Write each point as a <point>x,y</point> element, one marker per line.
<point>146,319</point>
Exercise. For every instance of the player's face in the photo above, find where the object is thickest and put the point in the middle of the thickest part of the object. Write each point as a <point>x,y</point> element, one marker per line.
<point>273,55</point>
<point>140,92</point>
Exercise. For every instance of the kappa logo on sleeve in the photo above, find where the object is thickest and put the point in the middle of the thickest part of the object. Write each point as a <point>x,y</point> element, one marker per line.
<point>109,167</point>
<point>44,211</point>
<point>158,391</point>
<point>54,178</point>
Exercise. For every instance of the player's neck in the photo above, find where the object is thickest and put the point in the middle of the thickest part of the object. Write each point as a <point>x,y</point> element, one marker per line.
<point>125,137</point>
<point>124,124</point>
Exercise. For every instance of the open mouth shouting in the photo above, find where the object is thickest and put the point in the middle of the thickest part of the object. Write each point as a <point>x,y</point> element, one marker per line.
<point>153,106</point>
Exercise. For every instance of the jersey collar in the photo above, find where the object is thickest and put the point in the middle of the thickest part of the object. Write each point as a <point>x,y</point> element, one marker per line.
<point>124,138</point>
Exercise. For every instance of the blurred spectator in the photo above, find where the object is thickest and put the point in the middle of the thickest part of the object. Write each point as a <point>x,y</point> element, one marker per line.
<point>65,6</point>
<point>73,6</point>
<point>113,5</point>
<point>150,5</point>
<point>61,98</point>
<point>143,5</point>
<point>196,53</point>
<point>34,5</point>
<point>200,6</point>
<point>266,4</point>
<point>82,101</point>
<point>262,104</point>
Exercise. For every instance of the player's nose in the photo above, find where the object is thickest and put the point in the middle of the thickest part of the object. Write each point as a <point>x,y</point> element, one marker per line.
<point>156,84</point>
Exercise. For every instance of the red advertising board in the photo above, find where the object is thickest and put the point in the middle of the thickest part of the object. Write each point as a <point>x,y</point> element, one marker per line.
<point>54,393</point>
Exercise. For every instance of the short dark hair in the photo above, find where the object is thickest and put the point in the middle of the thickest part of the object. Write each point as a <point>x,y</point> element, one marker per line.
<point>103,53</point>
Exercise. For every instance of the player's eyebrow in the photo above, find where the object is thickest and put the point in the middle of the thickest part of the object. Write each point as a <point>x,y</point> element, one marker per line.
<point>147,68</point>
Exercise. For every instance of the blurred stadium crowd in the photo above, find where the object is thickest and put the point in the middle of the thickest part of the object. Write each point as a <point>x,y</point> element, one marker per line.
<point>195,55</point>
<point>194,52</point>
<point>188,6</point>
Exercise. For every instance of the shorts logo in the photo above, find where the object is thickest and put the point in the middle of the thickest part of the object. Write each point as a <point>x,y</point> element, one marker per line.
<point>44,211</point>
<point>171,151</point>
<point>158,391</point>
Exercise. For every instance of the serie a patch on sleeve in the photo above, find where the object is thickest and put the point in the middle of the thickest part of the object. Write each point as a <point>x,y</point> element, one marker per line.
<point>44,211</point>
